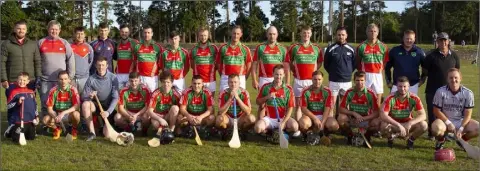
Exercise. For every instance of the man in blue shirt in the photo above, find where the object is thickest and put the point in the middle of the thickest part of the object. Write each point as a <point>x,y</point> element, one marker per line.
<point>339,62</point>
<point>406,59</point>
<point>103,47</point>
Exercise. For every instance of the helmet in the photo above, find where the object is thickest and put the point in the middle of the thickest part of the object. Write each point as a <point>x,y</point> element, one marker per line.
<point>274,137</point>
<point>125,139</point>
<point>445,155</point>
<point>167,136</point>
<point>357,140</point>
<point>312,138</point>
<point>187,132</point>
<point>203,132</point>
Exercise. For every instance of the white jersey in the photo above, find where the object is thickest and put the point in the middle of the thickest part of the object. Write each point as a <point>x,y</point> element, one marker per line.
<point>453,105</point>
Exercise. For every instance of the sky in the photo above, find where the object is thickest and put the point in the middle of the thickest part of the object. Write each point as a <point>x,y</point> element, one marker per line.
<point>392,6</point>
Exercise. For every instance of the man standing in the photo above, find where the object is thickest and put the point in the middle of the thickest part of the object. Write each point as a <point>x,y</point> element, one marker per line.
<point>406,60</point>
<point>103,47</point>
<point>125,61</point>
<point>234,58</point>
<point>19,54</point>
<point>83,58</point>
<point>104,85</point>
<point>435,36</point>
<point>283,95</point>
<point>370,58</point>
<point>437,64</point>
<point>397,115</point>
<point>57,55</point>
<point>175,59</point>
<point>453,106</point>
<point>146,55</point>
<point>305,58</point>
<point>339,62</point>
<point>203,60</point>
<point>266,56</point>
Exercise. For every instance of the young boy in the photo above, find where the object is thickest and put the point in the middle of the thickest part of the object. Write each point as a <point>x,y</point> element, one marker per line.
<point>21,101</point>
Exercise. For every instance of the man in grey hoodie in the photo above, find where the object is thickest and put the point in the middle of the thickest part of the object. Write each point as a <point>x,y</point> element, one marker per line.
<point>104,85</point>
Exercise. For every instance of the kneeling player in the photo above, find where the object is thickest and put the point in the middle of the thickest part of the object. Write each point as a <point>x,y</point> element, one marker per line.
<point>316,104</point>
<point>397,115</point>
<point>196,105</point>
<point>132,105</point>
<point>359,108</point>
<point>21,103</point>
<point>284,98</point>
<point>453,107</point>
<point>62,106</point>
<point>226,112</point>
<point>163,108</point>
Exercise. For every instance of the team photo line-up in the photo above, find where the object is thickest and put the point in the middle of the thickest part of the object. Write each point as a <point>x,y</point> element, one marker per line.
<point>147,88</point>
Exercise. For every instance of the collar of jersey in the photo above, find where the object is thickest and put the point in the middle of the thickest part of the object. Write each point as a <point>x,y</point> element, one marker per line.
<point>364,91</point>
<point>147,43</point>
<point>308,45</point>
<point>266,43</point>
<point>66,88</point>
<point>366,42</point>
<point>459,89</point>
<point>237,45</point>
<point>438,50</point>
<point>200,43</point>
<point>313,89</point>
<point>397,95</point>
<point>170,48</point>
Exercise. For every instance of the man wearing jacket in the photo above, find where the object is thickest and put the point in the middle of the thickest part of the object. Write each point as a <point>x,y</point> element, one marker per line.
<point>103,47</point>
<point>405,59</point>
<point>339,62</point>
<point>19,54</point>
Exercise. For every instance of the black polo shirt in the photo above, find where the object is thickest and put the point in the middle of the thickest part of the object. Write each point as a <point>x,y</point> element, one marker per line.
<point>437,66</point>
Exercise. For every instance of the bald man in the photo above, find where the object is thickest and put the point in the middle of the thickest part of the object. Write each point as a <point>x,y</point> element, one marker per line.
<point>266,56</point>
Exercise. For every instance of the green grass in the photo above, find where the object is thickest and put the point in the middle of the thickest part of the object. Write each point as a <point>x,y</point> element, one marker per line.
<point>47,154</point>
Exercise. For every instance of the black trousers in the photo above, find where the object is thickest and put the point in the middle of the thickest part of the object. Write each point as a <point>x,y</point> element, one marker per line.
<point>431,116</point>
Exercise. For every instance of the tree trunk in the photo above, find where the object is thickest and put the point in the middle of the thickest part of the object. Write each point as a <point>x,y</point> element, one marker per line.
<point>293,36</point>
<point>228,16</point>
<point>82,12</point>
<point>341,14</point>
<point>90,11</point>
<point>368,12</point>
<point>321,21</point>
<point>354,21</point>
<point>139,20</point>
<point>105,8</point>
<point>330,19</point>
<point>433,16</point>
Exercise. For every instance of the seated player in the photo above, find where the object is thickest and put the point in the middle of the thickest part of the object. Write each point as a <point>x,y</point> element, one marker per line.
<point>19,95</point>
<point>359,108</point>
<point>453,107</point>
<point>196,105</point>
<point>225,114</point>
<point>104,85</point>
<point>62,106</point>
<point>316,105</point>
<point>283,95</point>
<point>132,106</point>
<point>163,108</point>
<point>397,115</point>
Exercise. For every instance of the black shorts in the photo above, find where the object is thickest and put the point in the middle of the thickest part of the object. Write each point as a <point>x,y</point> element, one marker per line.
<point>28,129</point>
<point>110,117</point>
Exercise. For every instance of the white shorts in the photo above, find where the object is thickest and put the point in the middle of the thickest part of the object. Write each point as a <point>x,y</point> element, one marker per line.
<point>271,123</point>
<point>412,89</point>
<point>224,82</point>
<point>211,86</point>
<point>374,81</point>
<point>335,87</point>
<point>122,80</point>
<point>264,80</point>
<point>299,85</point>
<point>180,84</point>
<point>150,82</point>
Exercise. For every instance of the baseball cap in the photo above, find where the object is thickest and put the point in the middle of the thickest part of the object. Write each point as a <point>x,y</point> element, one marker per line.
<point>443,35</point>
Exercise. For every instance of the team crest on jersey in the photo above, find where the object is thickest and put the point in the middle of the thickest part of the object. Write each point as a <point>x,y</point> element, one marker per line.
<point>401,53</point>
<point>348,53</point>
<point>414,54</point>
<point>61,48</point>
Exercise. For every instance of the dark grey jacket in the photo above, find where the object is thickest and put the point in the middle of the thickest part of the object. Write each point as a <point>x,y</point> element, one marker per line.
<point>16,58</point>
